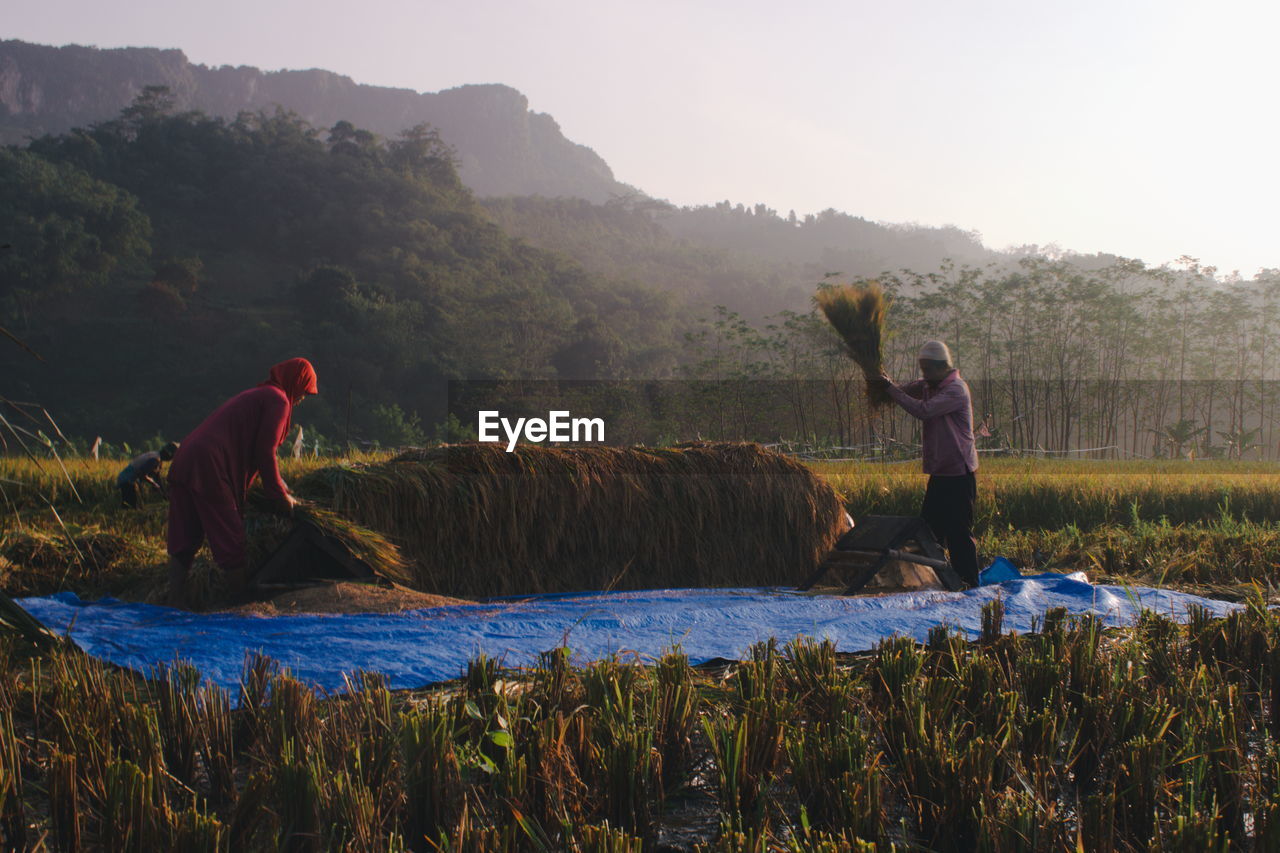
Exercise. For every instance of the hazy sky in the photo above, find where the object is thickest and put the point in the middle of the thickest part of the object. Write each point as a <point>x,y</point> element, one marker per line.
<point>1146,129</point>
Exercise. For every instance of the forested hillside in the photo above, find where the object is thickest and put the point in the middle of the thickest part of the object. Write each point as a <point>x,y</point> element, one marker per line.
<point>502,146</point>
<point>157,261</point>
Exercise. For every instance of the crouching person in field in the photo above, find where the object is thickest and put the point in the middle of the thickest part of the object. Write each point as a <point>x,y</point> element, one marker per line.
<point>941,401</point>
<point>211,473</point>
<point>144,469</point>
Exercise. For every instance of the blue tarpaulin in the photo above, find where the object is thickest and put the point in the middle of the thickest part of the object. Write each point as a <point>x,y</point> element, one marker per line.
<point>419,647</point>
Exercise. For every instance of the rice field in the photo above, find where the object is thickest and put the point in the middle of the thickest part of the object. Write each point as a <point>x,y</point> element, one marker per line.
<point>1158,737</point>
<point>1072,738</point>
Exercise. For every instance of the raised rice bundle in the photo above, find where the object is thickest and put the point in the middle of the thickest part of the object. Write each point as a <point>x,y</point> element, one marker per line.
<point>857,313</point>
<point>474,520</point>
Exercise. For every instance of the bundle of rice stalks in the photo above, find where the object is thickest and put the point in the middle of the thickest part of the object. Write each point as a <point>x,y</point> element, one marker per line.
<point>475,520</point>
<point>268,526</point>
<point>29,630</point>
<point>857,312</point>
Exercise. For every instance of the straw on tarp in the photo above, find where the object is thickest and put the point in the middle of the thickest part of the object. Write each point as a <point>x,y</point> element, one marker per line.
<point>268,526</point>
<point>14,619</point>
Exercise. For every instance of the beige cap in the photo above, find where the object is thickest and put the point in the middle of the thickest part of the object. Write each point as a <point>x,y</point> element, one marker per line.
<point>935,351</point>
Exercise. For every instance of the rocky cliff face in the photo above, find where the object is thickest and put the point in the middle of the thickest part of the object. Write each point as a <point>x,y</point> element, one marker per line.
<point>503,148</point>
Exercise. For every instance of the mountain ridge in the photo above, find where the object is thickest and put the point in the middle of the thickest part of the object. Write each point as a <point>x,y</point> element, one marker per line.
<point>502,146</point>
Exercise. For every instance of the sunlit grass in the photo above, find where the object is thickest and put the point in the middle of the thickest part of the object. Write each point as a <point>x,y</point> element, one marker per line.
<point>1025,494</point>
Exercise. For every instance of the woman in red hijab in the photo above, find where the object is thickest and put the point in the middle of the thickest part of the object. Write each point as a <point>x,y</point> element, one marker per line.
<point>210,475</point>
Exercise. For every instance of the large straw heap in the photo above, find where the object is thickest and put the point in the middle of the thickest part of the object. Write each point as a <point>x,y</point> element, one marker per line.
<point>475,520</point>
<point>857,313</point>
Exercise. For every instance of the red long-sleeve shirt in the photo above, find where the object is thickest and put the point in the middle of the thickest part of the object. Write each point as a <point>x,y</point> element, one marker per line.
<point>234,444</point>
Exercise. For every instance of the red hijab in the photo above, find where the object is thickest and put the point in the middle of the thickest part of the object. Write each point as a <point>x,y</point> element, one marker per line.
<point>296,377</point>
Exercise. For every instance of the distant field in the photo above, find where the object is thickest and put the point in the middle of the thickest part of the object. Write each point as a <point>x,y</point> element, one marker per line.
<point>1045,495</point>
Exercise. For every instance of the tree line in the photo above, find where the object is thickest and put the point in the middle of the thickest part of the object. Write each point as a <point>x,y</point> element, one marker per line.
<point>1118,359</point>
<point>160,260</point>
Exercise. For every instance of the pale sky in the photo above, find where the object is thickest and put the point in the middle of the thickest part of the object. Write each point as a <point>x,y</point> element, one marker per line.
<point>1145,129</point>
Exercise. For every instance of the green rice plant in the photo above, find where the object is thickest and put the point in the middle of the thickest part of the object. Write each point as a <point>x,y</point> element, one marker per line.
<point>351,817</point>
<point>836,773</point>
<point>1046,742</point>
<point>291,716</point>
<point>630,773</point>
<point>135,735</point>
<point>177,692</point>
<point>1214,735</point>
<point>612,688</point>
<point>747,750</point>
<point>759,676</point>
<point>1041,674</point>
<point>814,841</point>
<point>1270,688</point>
<point>813,680</point>
<point>1018,820</point>
<point>1097,820</point>
<point>604,838</point>
<point>565,757</point>
<point>80,713</point>
<point>674,717</point>
<point>1160,638</point>
<point>215,736</point>
<point>468,835</point>
<point>992,620</point>
<point>297,796</point>
<point>359,734</point>
<point>1196,822</point>
<point>555,682</point>
<point>1142,763</point>
<point>431,777</point>
<point>731,839</point>
<point>1088,669</point>
<point>255,687</point>
<point>630,777</point>
<point>946,776</point>
<point>65,801</point>
<point>979,689</point>
<point>898,663</point>
<point>130,818</point>
<point>480,682</point>
<point>193,831</point>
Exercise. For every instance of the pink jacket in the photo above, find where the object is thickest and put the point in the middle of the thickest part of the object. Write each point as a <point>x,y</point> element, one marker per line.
<point>947,415</point>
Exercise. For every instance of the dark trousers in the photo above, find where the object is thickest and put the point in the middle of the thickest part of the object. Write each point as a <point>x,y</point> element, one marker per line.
<point>948,508</point>
<point>129,496</point>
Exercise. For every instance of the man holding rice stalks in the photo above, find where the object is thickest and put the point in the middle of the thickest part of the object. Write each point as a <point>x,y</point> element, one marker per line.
<point>214,466</point>
<point>942,403</point>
